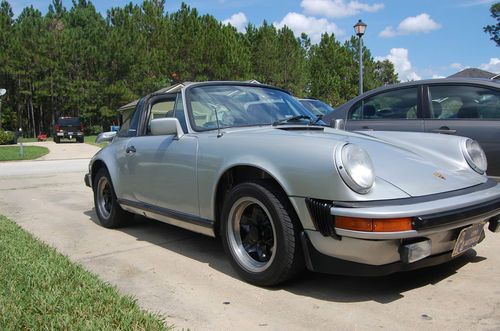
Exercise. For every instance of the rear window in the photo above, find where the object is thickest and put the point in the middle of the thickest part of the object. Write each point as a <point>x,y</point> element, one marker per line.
<point>69,121</point>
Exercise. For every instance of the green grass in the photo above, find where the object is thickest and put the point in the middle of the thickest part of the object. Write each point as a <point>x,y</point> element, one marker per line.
<point>41,289</point>
<point>11,153</point>
<point>91,140</point>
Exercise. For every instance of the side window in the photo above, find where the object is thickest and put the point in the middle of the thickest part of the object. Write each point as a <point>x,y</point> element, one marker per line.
<point>130,120</point>
<point>463,102</point>
<point>161,108</point>
<point>398,104</point>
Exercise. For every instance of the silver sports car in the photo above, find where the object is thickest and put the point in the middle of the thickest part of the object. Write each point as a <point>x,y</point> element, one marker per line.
<point>248,163</point>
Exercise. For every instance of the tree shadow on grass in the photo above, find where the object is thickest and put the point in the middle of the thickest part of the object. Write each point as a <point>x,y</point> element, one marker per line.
<point>332,288</point>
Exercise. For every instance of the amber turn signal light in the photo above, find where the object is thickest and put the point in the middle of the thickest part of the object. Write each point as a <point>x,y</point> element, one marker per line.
<point>373,225</point>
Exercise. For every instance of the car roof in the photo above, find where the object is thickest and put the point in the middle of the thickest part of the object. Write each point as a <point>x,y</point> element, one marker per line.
<point>479,81</point>
<point>177,87</point>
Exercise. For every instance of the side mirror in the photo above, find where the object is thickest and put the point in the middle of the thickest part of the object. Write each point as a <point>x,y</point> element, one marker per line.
<point>337,123</point>
<point>105,137</point>
<point>166,126</point>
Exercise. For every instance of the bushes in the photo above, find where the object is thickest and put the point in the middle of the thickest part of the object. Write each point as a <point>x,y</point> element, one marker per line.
<point>7,137</point>
<point>93,130</point>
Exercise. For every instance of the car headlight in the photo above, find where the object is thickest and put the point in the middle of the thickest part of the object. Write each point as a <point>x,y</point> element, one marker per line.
<point>474,155</point>
<point>355,168</point>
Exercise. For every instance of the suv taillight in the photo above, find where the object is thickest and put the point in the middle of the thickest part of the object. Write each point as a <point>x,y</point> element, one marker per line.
<point>81,127</point>
<point>58,127</point>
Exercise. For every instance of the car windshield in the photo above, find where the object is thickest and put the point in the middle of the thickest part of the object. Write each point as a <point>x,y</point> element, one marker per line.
<point>317,107</point>
<point>69,121</point>
<point>243,105</point>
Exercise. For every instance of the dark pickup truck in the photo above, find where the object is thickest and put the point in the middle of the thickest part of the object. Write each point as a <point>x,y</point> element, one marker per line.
<point>68,128</point>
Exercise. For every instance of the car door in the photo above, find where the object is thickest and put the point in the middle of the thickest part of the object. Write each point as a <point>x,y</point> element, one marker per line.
<point>467,110</point>
<point>163,168</point>
<point>393,110</point>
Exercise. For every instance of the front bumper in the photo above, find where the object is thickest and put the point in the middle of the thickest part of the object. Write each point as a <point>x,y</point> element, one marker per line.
<point>437,219</point>
<point>69,135</point>
<point>318,262</point>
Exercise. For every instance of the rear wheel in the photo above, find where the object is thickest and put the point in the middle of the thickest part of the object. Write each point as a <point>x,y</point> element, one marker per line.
<point>57,140</point>
<point>109,212</point>
<point>260,233</point>
<point>79,140</point>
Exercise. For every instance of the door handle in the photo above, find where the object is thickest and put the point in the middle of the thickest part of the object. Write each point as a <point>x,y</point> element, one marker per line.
<point>444,129</point>
<point>366,128</point>
<point>130,150</point>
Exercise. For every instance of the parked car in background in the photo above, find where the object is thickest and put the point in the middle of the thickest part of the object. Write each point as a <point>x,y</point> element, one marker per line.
<point>463,107</point>
<point>68,128</point>
<point>315,106</point>
<point>247,163</point>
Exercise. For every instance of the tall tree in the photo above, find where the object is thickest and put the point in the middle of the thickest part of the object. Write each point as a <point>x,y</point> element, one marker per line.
<point>494,29</point>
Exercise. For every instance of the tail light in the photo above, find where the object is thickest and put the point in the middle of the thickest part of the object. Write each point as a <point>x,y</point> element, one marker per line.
<point>81,127</point>
<point>58,127</point>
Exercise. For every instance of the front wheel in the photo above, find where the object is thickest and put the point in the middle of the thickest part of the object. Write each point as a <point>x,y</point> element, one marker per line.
<point>109,212</point>
<point>260,233</point>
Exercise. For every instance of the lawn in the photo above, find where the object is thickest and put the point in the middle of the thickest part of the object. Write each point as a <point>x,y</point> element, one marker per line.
<point>42,290</point>
<point>91,140</point>
<point>11,153</point>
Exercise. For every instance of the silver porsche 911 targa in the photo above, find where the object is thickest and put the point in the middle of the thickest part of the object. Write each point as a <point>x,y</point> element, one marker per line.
<point>248,163</point>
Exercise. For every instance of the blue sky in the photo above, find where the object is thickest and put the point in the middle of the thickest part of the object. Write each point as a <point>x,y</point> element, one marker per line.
<point>423,38</point>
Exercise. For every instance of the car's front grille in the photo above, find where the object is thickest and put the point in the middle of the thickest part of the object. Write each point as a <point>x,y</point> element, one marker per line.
<point>321,216</point>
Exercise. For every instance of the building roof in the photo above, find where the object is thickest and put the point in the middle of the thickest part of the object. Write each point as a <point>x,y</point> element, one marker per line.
<point>474,73</point>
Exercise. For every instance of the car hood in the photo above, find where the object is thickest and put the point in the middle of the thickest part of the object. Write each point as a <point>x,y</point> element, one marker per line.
<point>416,163</point>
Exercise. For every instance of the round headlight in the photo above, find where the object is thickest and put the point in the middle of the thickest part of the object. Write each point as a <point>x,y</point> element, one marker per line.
<point>355,168</point>
<point>474,155</point>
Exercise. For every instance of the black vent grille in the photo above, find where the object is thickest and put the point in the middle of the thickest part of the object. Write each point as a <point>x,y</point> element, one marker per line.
<point>321,217</point>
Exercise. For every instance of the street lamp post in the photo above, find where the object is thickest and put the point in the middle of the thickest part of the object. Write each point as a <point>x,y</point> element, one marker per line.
<point>360,28</point>
<point>2,93</point>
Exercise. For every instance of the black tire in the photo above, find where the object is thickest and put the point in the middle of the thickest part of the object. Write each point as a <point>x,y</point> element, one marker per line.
<point>80,140</point>
<point>108,211</point>
<point>56,140</point>
<point>251,215</point>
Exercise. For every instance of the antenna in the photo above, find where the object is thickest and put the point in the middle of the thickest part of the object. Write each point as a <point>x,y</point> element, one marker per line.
<point>219,133</point>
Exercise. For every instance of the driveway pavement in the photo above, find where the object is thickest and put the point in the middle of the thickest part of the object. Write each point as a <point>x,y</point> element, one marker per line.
<point>187,278</point>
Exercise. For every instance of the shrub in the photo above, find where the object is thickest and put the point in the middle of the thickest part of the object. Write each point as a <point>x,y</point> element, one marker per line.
<point>7,137</point>
<point>93,130</point>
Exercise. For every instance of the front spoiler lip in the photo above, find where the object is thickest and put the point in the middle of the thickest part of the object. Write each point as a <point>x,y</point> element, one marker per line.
<point>319,262</point>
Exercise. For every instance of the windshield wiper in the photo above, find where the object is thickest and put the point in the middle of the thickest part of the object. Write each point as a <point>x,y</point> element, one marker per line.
<point>318,118</point>
<point>291,119</point>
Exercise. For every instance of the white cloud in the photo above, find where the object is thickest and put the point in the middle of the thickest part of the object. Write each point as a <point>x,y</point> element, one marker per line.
<point>338,8</point>
<point>402,64</point>
<point>238,20</point>
<point>422,23</point>
<point>493,66</point>
<point>314,27</point>
<point>456,66</point>
<point>435,76</point>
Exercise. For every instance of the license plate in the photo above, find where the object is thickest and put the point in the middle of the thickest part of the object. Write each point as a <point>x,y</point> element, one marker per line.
<point>468,238</point>
<point>70,133</point>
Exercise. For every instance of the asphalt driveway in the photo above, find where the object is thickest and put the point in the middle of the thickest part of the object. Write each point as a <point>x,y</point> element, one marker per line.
<point>187,278</point>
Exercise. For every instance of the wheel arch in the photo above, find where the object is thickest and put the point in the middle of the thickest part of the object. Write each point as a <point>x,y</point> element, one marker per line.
<point>238,174</point>
<point>96,165</point>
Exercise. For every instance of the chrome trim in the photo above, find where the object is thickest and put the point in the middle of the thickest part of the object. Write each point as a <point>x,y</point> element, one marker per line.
<point>468,158</point>
<point>208,231</point>
<point>344,174</point>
